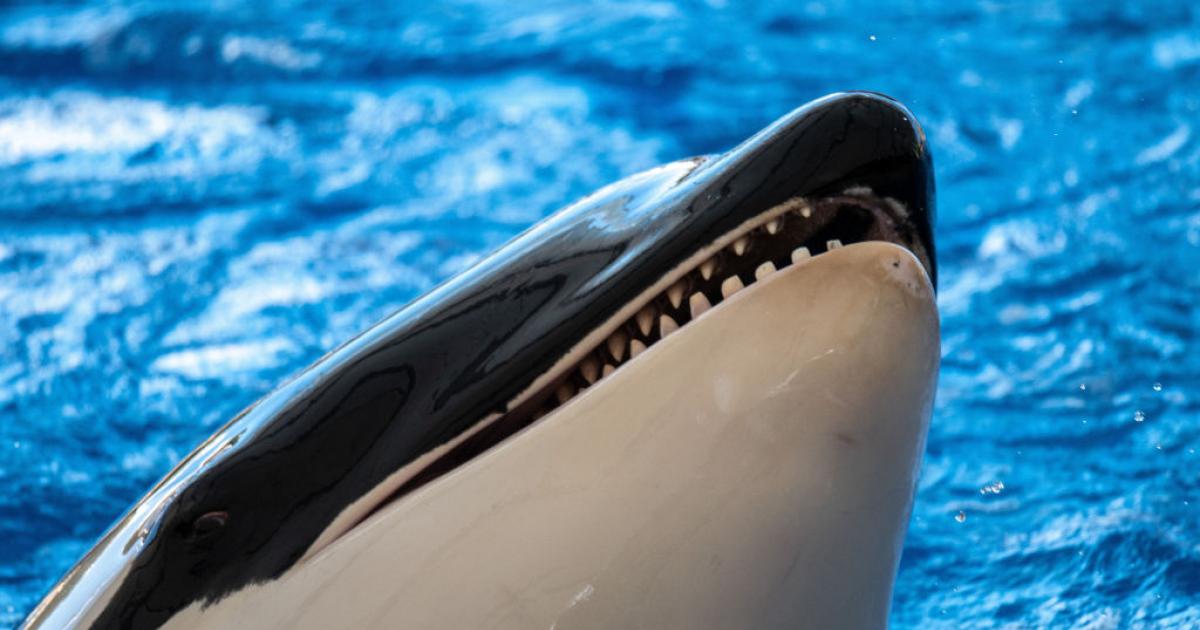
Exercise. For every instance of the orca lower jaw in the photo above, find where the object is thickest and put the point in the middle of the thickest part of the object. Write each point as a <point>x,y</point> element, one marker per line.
<point>778,238</point>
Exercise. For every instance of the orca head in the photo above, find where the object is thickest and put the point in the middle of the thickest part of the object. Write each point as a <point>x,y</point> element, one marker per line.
<point>492,351</point>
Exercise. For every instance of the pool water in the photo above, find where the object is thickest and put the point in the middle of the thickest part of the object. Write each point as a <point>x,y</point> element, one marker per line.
<point>198,199</point>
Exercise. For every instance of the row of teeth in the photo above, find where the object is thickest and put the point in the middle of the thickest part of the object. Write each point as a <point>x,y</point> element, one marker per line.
<point>638,334</point>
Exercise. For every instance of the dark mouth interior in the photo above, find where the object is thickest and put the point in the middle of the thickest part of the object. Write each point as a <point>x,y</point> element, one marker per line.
<point>807,229</point>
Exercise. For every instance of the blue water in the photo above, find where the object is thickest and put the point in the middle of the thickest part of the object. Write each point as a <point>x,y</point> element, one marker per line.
<point>198,199</point>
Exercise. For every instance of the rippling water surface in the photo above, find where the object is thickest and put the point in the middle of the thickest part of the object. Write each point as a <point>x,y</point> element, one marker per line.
<point>197,199</point>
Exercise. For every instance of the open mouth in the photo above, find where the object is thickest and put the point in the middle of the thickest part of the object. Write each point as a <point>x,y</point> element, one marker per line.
<point>785,235</point>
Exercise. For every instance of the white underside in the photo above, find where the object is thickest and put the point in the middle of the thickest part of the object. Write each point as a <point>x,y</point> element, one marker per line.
<point>754,469</point>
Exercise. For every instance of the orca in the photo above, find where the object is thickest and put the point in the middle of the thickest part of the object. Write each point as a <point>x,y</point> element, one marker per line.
<point>696,398</point>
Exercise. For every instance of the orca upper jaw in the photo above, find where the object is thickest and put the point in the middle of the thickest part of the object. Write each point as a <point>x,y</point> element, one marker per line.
<point>480,358</point>
<point>843,211</point>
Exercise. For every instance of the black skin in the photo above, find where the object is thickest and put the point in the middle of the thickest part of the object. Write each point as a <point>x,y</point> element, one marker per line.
<point>440,364</point>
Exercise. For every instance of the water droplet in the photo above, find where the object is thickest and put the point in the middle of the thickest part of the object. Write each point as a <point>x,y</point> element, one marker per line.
<point>961,516</point>
<point>872,38</point>
<point>1083,387</point>
<point>1157,387</point>
<point>1139,416</point>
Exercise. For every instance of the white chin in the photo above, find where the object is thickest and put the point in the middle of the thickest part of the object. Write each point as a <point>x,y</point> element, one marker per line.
<point>755,468</point>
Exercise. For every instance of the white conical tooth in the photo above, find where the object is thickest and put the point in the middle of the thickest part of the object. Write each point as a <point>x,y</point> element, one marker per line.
<point>806,211</point>
<point>645,320</point>
<point>698,303</point>
<point>800,253</point>
<point>608,369</point>
<point>635,348</point>
<point>731,285</point>
<point>773,226</point>
<point>564,392</point>
<point>764,270</point>
<point>675,293</point>
<point>740,245</point>
<point>617,344</point>
<point>590,369</point>
<point>666,326</point>
<point>832,244</point>
<point>707,268</point>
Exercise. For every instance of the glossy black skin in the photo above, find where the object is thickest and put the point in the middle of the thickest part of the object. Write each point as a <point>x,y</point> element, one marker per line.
<point>437,366</point>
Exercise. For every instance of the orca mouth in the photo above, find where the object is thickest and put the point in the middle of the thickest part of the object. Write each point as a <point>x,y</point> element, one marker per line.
<point>778,238</point>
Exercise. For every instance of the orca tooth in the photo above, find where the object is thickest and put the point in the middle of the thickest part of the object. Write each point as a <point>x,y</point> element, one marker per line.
<point>764,270</point>
<point>698,303</point>
<point>564,392</point>
<point>590,369</point>
<point>635,348</point>
<point>645,320</point>
<point>832,244</point>
<point>616,345</point>
<point>731,285</point>
<point>675,294</point>
<point>740,245</point>
<point>666,326</point>
<point>707,268</point>
<point>800,253</point>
